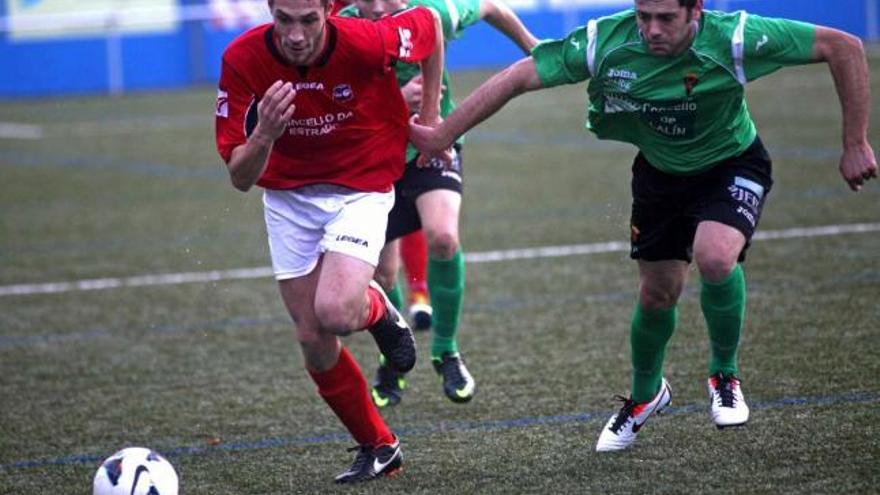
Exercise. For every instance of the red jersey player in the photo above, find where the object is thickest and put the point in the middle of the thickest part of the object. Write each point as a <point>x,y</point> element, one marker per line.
<point>309,109</point>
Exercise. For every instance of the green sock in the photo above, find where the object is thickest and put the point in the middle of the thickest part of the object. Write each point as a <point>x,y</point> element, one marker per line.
<point>395,295</point>
<point>446,289</point>
<point>649,334</point>
<point>724,307</point>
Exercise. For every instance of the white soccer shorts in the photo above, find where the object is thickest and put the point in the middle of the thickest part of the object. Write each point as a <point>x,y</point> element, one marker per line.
<point>304,223</point>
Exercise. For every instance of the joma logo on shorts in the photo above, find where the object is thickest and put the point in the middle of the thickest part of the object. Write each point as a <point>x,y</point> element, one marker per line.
<point>353,240</point>
<point>746,213</point>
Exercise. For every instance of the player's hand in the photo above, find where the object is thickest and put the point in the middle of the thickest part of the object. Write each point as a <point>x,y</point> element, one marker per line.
<point>275,110</point>
<point>425,137</point>
<point>858,165</point>
<point>412,93</point>
<point>426,132</point>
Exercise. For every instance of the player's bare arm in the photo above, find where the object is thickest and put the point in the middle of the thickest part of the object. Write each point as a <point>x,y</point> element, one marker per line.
<point>432,78</point>
<point>249,160</point>
<point>502,18</point>
<point>846,58</point>
<point>487,99</point>
<point>412,93</point>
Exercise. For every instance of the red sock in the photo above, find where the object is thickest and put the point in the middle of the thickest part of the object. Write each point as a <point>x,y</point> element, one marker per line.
<point>377,306</point>
<point>414,252</point>
<point>344,388</point>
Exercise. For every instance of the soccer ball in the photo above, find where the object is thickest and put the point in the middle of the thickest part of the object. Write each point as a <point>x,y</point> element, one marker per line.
<point>135,471</point>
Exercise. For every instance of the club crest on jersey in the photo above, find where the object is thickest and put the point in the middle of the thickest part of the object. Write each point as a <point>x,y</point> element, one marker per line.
<point>222,109</point>
<point>343,92</point>
<point>690,82</point>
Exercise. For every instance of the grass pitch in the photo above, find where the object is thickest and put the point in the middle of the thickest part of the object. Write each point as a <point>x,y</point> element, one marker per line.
<point>209,373</point>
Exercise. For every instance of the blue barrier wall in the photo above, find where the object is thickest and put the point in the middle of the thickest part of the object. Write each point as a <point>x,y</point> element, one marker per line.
<point>190,53</point>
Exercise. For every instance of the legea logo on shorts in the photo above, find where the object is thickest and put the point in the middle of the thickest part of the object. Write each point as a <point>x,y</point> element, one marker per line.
<point>353,240</point>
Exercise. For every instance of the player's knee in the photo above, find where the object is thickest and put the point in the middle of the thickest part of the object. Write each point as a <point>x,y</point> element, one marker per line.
<point>337,317</point>
<point>310,337</point>
<point>715,267</point>
<point>658,297</point>
<point>443,245</point>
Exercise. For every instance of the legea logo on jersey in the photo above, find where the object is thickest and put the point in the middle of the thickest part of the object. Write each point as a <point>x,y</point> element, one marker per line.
<point>222,104</point>
<point>343,92</point>
<point>309,86</point>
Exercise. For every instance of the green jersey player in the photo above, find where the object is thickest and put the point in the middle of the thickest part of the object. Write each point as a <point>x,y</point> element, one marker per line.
<point>669,78</point>
<point>429,198</point>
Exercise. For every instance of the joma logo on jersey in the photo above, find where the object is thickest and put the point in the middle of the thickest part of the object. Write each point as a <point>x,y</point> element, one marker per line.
<point>622,74</point>
<point>353,240</point>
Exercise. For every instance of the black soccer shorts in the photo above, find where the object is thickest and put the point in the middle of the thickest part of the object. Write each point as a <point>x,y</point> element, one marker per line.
<point>667,208</point>
<point>404,217</point>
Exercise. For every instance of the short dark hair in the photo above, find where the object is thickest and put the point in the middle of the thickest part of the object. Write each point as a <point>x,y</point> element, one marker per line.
<point>323,3</point>
<point>689,4</point>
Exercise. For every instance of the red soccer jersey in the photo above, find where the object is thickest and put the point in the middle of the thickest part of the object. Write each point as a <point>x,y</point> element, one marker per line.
<point>350,123</point>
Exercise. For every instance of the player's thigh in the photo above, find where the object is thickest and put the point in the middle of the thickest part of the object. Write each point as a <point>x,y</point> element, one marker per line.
<point>352,245</point>
<point>343,278</point>
<point>439,211</point>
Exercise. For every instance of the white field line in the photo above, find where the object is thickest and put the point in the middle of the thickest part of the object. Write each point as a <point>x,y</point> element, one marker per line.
<point>480,257</point>
<point>12,130</point>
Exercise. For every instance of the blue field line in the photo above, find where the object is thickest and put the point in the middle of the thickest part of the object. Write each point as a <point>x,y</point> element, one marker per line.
<point>450,426</point>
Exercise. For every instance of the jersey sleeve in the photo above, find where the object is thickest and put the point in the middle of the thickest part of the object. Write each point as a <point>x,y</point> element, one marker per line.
<point>349,11</point>
<point>562,61</point>
<point>770,44</point>
<point>234,99</point>
<point>458,15</point>
<point>408,36</point>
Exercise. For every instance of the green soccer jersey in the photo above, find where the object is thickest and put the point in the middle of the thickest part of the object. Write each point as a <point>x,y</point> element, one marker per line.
<point>455,15</point>
<point>685,113</point>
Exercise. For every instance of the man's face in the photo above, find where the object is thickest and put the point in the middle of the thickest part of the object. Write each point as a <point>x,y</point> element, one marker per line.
<point>374,9</point>
<point>300,27</point>
<point>665,25</point>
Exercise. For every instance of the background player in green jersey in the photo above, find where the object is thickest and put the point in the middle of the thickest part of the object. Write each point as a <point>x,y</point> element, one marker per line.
<point>669,77</point>
<point>429,197</point>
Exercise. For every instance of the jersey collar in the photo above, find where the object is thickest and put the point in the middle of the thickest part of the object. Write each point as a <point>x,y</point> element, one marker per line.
<point>322,60</point>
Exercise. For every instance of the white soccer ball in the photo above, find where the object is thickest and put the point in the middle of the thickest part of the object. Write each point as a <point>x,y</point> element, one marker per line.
<point>135,471</point>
